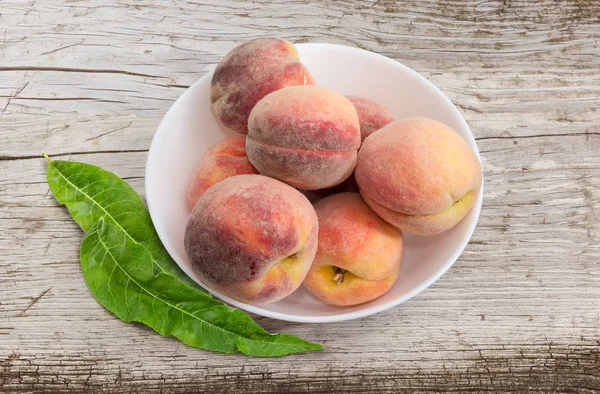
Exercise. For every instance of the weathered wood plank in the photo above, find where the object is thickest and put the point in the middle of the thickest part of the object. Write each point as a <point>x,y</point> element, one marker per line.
<point>520,309</point>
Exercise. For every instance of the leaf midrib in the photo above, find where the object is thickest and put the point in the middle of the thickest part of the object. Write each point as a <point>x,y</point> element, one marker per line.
<point>175,307</point>
<point>109,215</point>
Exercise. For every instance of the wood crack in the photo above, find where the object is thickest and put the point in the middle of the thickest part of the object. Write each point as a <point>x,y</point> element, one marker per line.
<point>14,96</point>
<point>78,70</point>
<point>64,47</point>
<point>108,132</point>
<point>67,99</point>
<point>499,137</point>
<point>28,157</point>
<point>34,301</point>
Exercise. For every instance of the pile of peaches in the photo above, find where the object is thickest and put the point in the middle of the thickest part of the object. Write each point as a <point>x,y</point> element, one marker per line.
<point>317,188</point>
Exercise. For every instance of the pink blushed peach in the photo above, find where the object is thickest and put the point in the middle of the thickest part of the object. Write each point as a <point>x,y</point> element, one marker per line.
<point>224,159</point>
<point>251,71</point>
<point>252,238</point>
<point>359,254</point>
<point>419,175</point>
<point>306,136</point>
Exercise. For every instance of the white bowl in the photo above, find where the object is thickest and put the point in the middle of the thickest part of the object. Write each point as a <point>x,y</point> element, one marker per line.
<point>189,128</point>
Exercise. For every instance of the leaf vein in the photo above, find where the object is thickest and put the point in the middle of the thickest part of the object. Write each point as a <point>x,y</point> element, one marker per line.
<point>107,213</point>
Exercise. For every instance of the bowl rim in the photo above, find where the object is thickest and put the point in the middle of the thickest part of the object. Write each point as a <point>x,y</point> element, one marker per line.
<point>355,314</point>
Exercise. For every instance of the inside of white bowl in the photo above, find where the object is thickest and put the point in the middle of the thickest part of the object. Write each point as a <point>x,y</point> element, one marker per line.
<point>189,128</point>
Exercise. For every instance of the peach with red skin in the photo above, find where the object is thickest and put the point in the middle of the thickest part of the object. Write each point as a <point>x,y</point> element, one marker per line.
<point>359,254</point>
<point>251,71</point>
<point>371,115</point>
<point>306,136</point>
<point>224,159</point>
<point>419,175</point>
<point>252,238</point>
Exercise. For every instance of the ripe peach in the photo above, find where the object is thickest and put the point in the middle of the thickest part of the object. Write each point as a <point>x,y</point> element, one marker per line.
<point>251,71</point>
<point>371,114</point>
<point>359,254</point>
<point>224,159</point>
<point>419,175</point>
<point>306,136</point>
<point>251,237</point>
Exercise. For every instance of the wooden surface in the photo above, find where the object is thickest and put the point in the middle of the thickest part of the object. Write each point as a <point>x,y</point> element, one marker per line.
<point>519,311</point>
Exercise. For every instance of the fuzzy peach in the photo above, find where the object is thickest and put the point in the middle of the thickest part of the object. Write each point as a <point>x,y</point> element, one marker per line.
<point>306,136</point>
<point>359,254</point>
<point>371,115</point>
<point>419,175</point>
<point>252,237</point>
<point>224,159</point>
<point>251,71</point>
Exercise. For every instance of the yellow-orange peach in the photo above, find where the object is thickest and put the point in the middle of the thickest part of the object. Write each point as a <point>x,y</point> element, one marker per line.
<point>306,136</point>
<point>224,159</point>
<point>251,71</point>
<point>359,254</point>
<point>252,237</point>
<point>419,175</point>
<point>371,115</point>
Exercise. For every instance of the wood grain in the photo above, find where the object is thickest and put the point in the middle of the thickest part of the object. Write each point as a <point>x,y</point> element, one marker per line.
<point>519,311</point>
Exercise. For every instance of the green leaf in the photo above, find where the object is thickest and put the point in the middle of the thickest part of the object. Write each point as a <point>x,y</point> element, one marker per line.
<point>113,267</point>
<point>130,272</point>
<point>91,193</point>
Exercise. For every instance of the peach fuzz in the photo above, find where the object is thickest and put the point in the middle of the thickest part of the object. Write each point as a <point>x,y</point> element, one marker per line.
<point>371,115</point>
<point>249,72</point>
<point>419,175</point>
<point>252,238</point>
<point>306,136</point>
<point>224,159</point>
<point>359,254</point>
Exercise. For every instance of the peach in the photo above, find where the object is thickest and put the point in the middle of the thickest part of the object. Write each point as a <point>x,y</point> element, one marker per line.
<point>306,136</point>
<point>419,175</point>
<point>224,159</point>
<point>252,238</point>
<point>251,71</point>
<point>371,115</point>
<point>359,254</point>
